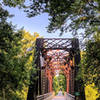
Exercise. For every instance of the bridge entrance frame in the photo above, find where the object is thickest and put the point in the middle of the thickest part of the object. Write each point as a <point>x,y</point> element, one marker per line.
<point>43,84</point>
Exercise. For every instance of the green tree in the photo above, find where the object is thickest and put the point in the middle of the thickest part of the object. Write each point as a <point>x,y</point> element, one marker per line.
<point>59,83</point>
<point>14,74</point>
<point>90,64</point>
<point>13,3</point>
<point>55,85</point>
<point>62,81</point>
<point>28,48</point>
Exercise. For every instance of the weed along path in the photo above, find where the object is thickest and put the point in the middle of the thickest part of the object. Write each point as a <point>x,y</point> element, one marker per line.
<point>59,96</point>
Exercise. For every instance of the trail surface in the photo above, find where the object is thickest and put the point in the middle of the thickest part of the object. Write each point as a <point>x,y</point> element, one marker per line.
<point>59,96</point>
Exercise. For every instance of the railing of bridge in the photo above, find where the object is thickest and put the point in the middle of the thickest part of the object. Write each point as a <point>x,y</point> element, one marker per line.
<point>69,96</point>
<point>46,96</point>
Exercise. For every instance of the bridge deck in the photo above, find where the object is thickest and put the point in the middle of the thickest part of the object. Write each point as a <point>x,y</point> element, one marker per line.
<point>59,96</point>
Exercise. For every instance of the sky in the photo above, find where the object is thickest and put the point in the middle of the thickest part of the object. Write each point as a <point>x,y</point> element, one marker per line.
<point>35,24</point>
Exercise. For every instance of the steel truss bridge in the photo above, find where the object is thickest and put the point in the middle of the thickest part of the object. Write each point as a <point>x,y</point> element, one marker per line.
<point>51,56</point>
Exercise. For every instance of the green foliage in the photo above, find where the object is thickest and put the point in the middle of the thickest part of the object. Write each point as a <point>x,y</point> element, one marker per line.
<point>91,92</point>
<point>15,61</point>
<point>62,82</point>
<point>90,63</point>
<point>59,83</point>
<point>66,15</point>
<point>13,3</point>
<point>55,85</point>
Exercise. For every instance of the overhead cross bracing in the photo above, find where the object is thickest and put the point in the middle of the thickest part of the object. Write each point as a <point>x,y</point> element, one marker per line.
<point>56,43</point>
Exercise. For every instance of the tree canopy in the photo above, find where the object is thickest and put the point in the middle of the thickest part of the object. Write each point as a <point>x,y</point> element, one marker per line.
<point>11,62</point>
<point>90,64</point>
<point>66,15</point>
<point>16,63</point>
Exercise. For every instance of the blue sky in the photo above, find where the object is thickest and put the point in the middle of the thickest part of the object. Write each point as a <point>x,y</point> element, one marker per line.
<point>36,24</point>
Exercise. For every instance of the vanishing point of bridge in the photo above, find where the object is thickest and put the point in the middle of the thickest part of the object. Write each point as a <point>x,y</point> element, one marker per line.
<point>51,56</point>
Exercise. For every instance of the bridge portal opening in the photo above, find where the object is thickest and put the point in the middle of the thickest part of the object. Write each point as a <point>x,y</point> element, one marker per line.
<point>59,83</point>
<point>55,55</point>
<point>58,61</point>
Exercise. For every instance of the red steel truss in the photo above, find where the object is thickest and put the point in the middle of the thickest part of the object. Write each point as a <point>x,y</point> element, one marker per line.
<point>51,56</point>
<point>58,55</point>
<point>56,60</point>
